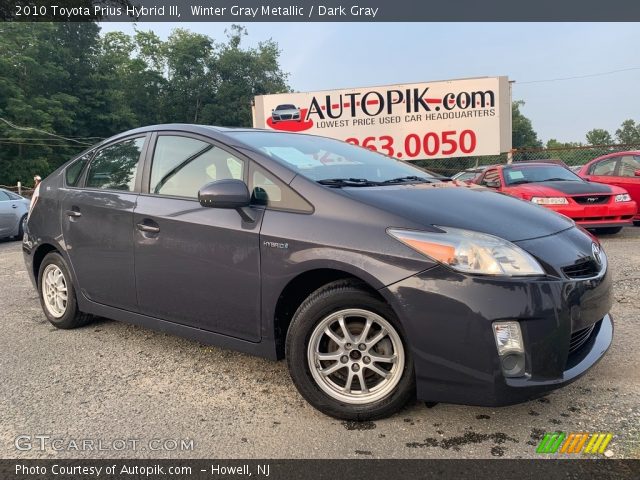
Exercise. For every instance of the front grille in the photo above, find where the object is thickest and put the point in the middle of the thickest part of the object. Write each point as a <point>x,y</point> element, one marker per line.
<point>579,338</point>
<point>286,117</point>
<point>592,199</point>
<point>583,269</point>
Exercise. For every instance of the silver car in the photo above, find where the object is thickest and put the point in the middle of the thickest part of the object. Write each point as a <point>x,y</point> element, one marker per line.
<point>13,212</point>
<point>285,112</point>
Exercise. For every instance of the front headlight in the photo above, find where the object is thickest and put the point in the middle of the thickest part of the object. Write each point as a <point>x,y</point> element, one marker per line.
<point>623,197</point>
<point>470,252</point>
<point>550,200</point>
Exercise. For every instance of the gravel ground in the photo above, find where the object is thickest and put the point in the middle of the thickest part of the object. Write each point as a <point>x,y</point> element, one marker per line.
<point>123,385</point>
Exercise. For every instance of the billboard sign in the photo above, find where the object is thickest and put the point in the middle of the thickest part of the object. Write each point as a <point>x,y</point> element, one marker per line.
<point>454,118</point>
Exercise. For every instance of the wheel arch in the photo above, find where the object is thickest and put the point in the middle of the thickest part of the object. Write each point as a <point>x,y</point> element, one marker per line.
<point>299,288</point>
<point>38,256</point>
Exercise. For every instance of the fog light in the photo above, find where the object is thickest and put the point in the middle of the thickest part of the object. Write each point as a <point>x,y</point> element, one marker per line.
<point>510,348</point>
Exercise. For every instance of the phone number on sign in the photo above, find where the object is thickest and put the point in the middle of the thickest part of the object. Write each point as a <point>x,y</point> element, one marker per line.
<point>430,144</point>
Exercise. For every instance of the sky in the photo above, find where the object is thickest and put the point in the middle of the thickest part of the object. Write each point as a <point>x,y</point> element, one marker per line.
<point>323,56</point>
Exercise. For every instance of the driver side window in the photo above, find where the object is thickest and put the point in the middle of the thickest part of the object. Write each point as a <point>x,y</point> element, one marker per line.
<point>605,168</point>
<point>491,179</point>
<point>182,165</point>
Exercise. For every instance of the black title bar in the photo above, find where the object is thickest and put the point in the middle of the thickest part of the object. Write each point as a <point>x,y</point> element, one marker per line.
<point>317,469</point>
<point>321,11</point>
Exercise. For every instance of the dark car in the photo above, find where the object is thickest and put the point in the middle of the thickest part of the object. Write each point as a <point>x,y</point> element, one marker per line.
<point>373,279</point>
<point>621,169</point>
<point>603,208</point>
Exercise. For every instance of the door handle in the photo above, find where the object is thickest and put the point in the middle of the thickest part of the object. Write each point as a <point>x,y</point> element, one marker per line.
<point>14,206</point>
<point>73,213</point>
<point>147,228</point>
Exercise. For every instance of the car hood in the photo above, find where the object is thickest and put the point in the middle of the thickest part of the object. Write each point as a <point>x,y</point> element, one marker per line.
<point>290,110</point>
<point>469,207</point>
<point>561,188</point>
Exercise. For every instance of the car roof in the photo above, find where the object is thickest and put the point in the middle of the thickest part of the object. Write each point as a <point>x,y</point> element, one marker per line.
<point>616,154</point>
<point>534,164</point>
<point>216,132</point>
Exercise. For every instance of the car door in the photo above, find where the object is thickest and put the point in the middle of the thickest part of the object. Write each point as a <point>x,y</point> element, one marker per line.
<point>604,171</point>
<point>196,266</point>
<point>9,212</point>
<point>97,223</point>
<point>626,176</point>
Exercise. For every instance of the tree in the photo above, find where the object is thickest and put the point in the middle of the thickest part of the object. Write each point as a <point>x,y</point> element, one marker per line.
<point>599,136</point>
<point>67,79</point>
<point>628,132</point>
<point>523,135</point>
<point>240,75</point>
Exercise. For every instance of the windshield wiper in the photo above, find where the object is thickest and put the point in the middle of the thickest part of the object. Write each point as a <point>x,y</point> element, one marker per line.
<point>347,182</point>
<point>555,179</point>
<point>410,178</point>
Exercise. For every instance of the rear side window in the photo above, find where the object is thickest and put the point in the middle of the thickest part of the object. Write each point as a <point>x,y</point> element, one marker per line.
<point>114,167</point>
<point>13,196</point>
<point>629,165</point>
<point>3,197</point>
<point>72,174</point>
<point>182,165</point>
<point>271,192</point>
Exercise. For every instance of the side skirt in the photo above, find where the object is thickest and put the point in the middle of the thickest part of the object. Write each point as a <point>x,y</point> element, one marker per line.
<point>265,348</point>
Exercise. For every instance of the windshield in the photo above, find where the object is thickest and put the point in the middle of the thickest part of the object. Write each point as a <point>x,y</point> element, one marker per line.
<point>538,173</point>
<point>320,158</point>
<point>286,107</point>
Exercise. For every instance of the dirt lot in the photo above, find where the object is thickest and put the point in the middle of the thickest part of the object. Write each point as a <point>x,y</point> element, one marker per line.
<point>126,385</point>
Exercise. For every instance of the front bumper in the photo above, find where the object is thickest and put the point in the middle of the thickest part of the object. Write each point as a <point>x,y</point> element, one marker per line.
<point>448,318</point>
<point>598,216</point>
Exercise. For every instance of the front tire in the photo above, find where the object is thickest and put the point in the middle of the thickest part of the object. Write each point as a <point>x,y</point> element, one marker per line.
<point>57,294</point>
<point>347,354</point>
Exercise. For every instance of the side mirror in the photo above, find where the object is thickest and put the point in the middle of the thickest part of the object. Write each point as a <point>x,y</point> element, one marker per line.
<point>636,173</point>
<point>492,184</point>
<point>228,193</point>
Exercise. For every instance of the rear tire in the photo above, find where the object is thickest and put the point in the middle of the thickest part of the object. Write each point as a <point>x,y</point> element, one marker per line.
<point>608,230</point>
<point>343,335</point>
<point>57,294</point>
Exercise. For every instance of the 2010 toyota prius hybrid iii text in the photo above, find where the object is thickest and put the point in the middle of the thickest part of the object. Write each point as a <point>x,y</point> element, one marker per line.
<point>375,281</point>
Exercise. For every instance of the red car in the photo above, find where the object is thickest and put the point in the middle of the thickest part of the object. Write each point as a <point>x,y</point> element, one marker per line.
<point>621,169</point>
<point>605,208</point>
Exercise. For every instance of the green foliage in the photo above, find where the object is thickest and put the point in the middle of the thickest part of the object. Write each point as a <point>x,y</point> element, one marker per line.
<point>629,132</point>
<point>599,136</point>
<point>523,134</point>
<point>68,79</point>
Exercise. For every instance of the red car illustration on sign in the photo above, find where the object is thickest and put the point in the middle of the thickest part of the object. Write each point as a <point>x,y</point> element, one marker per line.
<point>605,208</point>
<point>621,169</point>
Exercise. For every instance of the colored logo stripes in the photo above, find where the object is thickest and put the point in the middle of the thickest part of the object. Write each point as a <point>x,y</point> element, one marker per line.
<point>560,442</point>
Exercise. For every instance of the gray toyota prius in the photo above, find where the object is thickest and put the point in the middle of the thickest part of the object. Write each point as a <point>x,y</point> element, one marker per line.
<point>376,281</point>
